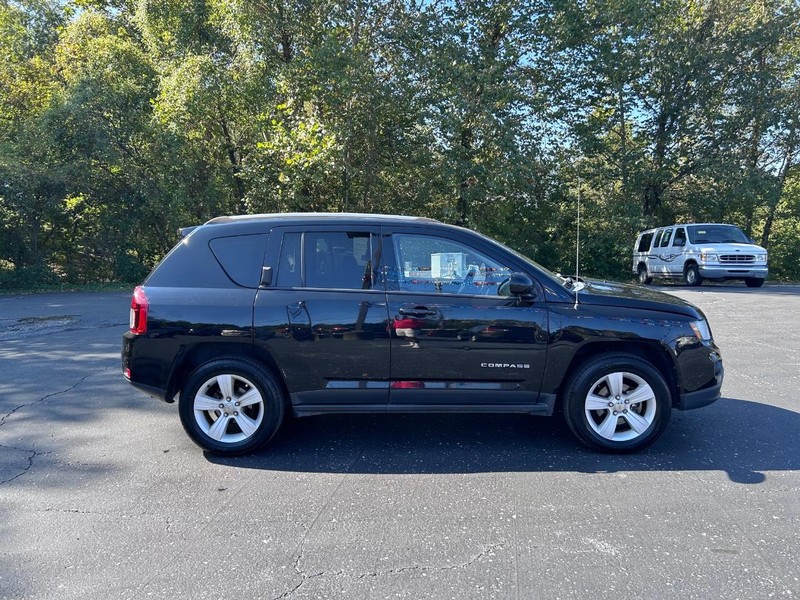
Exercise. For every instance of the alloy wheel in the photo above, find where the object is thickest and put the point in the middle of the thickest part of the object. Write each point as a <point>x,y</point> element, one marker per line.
<point>620,406</point>
<point>228,408</point>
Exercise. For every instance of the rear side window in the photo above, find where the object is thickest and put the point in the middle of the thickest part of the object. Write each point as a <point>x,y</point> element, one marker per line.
<point>665,238</point>
<point>680,237</point>
<point>241,256</point>
<point>657,241</point>
<point>644,242</point>
<point>327,259</point>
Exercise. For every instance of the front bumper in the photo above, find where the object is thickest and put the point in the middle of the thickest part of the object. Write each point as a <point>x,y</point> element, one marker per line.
<point>718,272</point>
<point>706,396</point>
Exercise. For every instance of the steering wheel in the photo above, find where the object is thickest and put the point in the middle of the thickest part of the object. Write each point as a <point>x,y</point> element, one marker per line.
<point>467,281</point>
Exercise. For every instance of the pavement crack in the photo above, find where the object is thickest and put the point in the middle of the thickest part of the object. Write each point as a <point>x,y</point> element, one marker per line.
<point>463,565</point>
<point>32,452</point>
<point>32,455</point>
<point>58,393</point>
<point>306,577</point>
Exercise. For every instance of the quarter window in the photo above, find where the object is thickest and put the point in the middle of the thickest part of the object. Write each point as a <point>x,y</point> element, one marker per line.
<point>644,242</point>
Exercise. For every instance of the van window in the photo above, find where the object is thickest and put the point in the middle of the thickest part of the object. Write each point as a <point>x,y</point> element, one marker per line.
<point>644,242</point>
<point>680,237</point>
<point>716,234</point>
<point>665,238</point>
<point>657,241</point>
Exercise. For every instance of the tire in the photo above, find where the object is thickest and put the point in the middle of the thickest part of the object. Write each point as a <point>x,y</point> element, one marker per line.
<point>231,407</point>
<point>624,426</point>
<point>644,278</point>
<point>691,275</point>
<point>753,282</point>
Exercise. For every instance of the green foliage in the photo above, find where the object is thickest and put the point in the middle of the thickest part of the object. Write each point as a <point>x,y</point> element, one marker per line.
<point>121,121</point>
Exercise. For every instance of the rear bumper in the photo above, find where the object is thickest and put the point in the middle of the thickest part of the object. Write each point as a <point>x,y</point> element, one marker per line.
<point>149,389</point>
<point>142,370</point>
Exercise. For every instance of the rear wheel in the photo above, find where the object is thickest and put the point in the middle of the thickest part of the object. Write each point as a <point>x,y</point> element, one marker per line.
<point>644,278</point>
<point>231,406</point>
<point>617,403</point>
<point>753,282</point>
<point>691,275</point>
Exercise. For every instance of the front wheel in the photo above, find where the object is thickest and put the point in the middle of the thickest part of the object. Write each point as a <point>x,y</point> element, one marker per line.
<point>644,278</point>
<point>691,275</point>
<point>617,403</point>
<point>231,407</point>
<point>753,282</point>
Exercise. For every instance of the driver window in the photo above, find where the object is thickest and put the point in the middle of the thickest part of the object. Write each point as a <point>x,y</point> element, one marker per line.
<point>428,264</point>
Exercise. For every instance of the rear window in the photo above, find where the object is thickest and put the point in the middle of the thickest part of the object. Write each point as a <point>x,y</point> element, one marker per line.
<point>241,256</point>
<point>644,242</point>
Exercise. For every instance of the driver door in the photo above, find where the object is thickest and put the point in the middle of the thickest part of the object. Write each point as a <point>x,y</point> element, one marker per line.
<point>457,336</point>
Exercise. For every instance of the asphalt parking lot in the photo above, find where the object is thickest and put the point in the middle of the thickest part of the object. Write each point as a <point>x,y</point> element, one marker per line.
<point>103,495</point>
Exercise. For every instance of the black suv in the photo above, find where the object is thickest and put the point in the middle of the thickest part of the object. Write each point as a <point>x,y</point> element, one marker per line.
<point>249,318</point>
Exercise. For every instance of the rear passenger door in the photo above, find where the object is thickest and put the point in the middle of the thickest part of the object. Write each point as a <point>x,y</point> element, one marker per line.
<point>323,318</point>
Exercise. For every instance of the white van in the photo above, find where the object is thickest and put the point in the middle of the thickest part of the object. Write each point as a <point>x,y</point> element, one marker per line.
<point>699,251</point>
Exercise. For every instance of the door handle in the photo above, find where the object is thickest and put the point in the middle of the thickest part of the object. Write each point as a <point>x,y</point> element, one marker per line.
<point>419,312</point>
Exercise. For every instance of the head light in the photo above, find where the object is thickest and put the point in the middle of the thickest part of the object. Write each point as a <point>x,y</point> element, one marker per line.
<point>701,330</point>
<point>708,257</point>
<point>761,258</point>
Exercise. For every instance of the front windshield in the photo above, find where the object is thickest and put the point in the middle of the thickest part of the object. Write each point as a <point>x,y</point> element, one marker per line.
<point>716,234</point>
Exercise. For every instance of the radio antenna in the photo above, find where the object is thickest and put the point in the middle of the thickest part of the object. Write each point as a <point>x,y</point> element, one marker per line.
<point>575,286</point>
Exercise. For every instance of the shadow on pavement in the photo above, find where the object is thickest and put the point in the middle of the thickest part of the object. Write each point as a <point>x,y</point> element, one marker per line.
<point>739,437</point>
<point>732,288</point>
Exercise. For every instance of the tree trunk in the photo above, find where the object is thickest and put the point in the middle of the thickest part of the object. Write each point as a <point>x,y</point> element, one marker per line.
<point>776,196</point>
<point>462,208</point>
<point>235,162</point>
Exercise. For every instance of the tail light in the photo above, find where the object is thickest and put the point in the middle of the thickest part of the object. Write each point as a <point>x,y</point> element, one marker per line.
<point>139,306</point>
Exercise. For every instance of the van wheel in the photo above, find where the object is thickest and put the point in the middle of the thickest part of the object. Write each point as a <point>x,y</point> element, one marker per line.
<point>691,275</point>
<point>231,407</point>
<point>753,282</point>
<point>644,278</point>
<point>617,403</point>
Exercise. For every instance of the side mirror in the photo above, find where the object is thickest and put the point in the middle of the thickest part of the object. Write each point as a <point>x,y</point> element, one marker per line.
<point>521,286</point>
